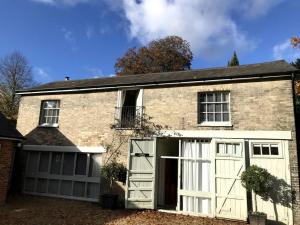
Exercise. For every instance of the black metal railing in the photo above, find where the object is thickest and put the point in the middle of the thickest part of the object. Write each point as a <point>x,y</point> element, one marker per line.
<point>129,117</point>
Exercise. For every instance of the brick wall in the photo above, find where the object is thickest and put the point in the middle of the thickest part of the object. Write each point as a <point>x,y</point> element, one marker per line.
<point>85,118</point>
<point>6,157</point>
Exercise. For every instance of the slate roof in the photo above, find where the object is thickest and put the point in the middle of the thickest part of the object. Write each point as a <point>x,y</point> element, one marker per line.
<point>8,130</point>
<point>279,67</point>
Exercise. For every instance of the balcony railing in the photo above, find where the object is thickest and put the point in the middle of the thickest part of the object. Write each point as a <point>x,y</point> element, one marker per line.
<point>129,117</point>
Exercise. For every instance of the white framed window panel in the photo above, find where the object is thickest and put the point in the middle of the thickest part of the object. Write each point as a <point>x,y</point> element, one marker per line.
<point>49,114</point>
<point>230,199</point>
<point>266,145</point>
<point>214,108</point>
<point>63,174</point>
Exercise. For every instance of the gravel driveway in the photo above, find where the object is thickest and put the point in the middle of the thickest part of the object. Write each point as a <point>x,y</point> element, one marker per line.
<point>30,210</point>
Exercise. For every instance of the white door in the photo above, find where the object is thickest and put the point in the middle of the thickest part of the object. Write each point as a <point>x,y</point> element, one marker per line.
<point>194,186</point>
<point>141,175</point>
<point>231,196</point>
<point>274,156</point>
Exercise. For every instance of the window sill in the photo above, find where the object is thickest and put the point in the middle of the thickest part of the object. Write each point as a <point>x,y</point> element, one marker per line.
<point>215,125</point>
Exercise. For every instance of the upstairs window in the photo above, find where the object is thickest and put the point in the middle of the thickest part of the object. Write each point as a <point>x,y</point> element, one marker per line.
<point>213,108</point>
<point>49,113</point>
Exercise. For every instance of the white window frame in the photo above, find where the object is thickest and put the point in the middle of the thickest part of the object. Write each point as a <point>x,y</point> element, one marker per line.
<point>229,141</point>
<point>266,142</point>
<point>213,123</point>
<point>41,118</point>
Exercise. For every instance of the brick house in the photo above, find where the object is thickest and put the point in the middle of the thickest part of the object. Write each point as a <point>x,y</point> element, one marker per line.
<point>9,138</point>
<point>225,120</point>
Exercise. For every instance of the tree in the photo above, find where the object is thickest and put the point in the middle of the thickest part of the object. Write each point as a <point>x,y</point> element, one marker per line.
<point>15,73</point>
<point>234,60</point>
<point>295,41</point>
<point>296,63</point>
<point>163,55</point>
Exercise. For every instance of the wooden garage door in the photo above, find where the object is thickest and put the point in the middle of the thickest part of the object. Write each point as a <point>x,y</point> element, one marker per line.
<point>231,200</point>
<point>63,174</point>
<point>273,155</point>
<point>141,175</point>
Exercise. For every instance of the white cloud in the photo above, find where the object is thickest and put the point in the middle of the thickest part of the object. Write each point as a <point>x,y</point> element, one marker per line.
<point>62,2</point>
<point>41,75</point>
<point>211,26</point>
<point>284,50</point>
<point>254,8</point>
<point>70,38</point>
<point>207,25</point>
<point>90,32</point>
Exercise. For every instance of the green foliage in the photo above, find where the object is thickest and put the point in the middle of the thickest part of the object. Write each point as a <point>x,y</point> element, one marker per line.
<point>257,179</point>
<point>234,60</point>
<point>114,171</point>
<point>163,55</point>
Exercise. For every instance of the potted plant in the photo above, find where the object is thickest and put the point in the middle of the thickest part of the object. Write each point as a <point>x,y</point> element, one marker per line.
<point>258,181</point>
<point>112,172</point>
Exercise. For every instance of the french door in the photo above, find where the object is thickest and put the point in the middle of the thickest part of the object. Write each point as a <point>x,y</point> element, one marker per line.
<point>194,183</point>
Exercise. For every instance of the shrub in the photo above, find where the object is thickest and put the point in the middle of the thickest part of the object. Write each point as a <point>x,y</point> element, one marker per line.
<point>258,180</point>
<point>114,171</point>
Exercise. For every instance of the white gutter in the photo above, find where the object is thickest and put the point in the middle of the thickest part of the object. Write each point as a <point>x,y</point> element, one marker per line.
<point>149,85</point>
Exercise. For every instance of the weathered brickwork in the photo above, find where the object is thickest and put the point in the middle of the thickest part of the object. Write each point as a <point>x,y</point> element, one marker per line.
<point>85,118</point>
<point>6,157</point>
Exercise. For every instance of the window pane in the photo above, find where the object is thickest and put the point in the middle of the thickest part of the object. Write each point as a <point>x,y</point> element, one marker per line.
<point>202,97</point>
<point>29,184</point>
<point>79,189</point>
<point>218,97</point>
<point>256,150</point>
<point>218,117</point>
<point>225,97</point>
<point>210,107</point>
<point>265,150</point>
<point>225,107</point>
<point>68,165</point>
<point>221,148</point>
<point>66,187</point>
<point>218,107</point>
<point>210,97</point>
<point>81,164</point>
<point>274,150</point>
<point>53,186</point>
<point>93,190</point>
<point>41,185</point>
<point>237,150</point>
<point>56,163</point>
<point>32,163</point>
<point>210,117</point>
<point>94,170</point>
<point>44,162</point>
<point>225,117</point>
<point>203,117</point>
<point>203,108</point>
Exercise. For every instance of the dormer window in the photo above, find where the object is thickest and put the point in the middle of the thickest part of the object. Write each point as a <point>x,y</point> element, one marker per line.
<point>129,109</point>
<point>49,113</point>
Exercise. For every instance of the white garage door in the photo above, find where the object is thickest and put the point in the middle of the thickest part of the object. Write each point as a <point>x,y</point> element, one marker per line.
<point>63,174</point>
<point>274,156</point>
<point>231,198</point>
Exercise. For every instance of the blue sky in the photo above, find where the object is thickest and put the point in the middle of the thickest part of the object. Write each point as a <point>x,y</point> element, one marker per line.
<point>83,38</point>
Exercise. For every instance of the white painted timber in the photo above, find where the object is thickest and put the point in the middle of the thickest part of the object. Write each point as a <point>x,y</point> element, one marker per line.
<point>232,134</point>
